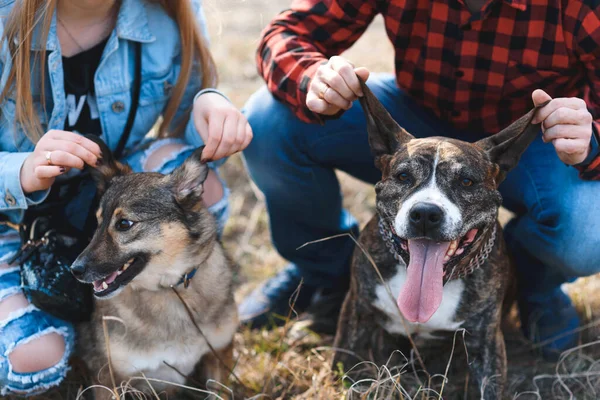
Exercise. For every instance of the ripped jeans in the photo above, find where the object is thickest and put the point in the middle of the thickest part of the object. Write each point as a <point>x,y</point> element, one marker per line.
<point>40,343</point>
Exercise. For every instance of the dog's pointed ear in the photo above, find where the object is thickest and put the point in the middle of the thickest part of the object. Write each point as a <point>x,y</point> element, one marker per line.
<point>108,168</point>
<point>385,135</point>
<point>188,179</point>
<point>506,147</point>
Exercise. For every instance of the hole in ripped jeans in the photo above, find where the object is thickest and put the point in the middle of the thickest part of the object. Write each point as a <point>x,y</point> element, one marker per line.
<point>35,355</point>
<point>12,303</point>
<point>38,354</point>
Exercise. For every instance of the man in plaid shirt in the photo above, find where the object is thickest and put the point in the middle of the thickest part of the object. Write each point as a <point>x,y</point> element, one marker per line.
<point>464,69</point>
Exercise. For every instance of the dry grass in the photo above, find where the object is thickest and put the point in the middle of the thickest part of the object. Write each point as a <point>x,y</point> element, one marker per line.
<point>293,363</point>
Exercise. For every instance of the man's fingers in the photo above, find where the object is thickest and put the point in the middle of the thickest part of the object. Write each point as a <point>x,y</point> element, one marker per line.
<point>568,116</point>
<point>571,147</point>
<point>346,71</point>
<point>363,73</point>
<point>539,96</point>
<point>320,106</point>
<point>48,171</point>
<point>566,132</point>
<point>215,127</point>
<point>77,139</point>
<point>567,102</point>
<point>335,81</point>
<point>324,91</point>
<point>227,139</point>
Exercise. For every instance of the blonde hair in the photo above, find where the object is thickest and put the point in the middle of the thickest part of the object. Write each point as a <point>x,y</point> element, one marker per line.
<point>26,14</point>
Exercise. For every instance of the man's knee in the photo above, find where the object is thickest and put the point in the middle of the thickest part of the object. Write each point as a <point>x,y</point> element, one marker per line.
<point>572,247</point>
<point>273,124</point>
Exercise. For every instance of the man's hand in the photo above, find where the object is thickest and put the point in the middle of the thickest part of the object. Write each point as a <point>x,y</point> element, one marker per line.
<point>335,86</point>
<point>567,123</point>
<point>222,127</point>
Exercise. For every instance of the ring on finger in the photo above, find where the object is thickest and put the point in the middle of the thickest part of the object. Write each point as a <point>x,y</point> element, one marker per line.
<point>323,92</point>
<point>49,157</point>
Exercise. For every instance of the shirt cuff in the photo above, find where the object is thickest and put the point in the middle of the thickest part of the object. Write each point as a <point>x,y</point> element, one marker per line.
<point>595,150</point>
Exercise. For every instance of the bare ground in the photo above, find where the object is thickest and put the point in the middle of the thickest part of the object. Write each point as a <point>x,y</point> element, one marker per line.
<point>292,363</point>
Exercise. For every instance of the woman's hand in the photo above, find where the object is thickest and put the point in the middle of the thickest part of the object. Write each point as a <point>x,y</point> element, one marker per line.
<point>54,154</point>
<point>222,127</point>
<point>335,86</point>
<point>567,123</point>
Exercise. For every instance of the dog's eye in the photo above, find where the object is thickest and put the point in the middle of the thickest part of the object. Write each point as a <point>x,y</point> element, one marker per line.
<point>123,225</point>
<point>466,182</point>
<point>403,177</point>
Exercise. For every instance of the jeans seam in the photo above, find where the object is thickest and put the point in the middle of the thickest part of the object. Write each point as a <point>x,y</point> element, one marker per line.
<point>536,191</point>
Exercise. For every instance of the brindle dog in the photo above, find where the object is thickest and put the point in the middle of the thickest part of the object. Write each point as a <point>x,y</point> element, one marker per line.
<point>439,248</point>
<point>154,235</point>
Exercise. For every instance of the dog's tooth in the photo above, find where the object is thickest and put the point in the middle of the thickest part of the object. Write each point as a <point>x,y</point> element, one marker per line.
<point>119,272</point>
<point>104,285</point>
<point>446,258</point>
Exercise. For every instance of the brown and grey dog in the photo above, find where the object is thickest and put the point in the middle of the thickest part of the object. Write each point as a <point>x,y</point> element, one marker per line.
<point>438,246</point>
<point>154,234</point>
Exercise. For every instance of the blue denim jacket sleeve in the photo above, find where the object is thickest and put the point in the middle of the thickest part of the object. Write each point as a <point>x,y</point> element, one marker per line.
<point>13,201</point>
<point>193,91</point>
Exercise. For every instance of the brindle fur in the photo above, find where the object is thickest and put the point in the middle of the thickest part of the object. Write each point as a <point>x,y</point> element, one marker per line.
<point>361,329</point>
<point>149,326</point>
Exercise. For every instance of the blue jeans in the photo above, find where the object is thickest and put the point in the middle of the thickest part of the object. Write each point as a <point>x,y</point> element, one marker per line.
<point>555,236</point>
<point>30,323</point>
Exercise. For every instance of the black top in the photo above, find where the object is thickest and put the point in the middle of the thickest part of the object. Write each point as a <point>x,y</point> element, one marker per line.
<point>79,71</point>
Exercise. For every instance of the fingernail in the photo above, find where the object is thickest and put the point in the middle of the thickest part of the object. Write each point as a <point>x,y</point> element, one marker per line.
<point>98,162</point>
<point>205,160</point>
<point>63,170</point>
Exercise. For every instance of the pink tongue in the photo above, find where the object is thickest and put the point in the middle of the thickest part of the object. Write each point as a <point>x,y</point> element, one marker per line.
<point>110,279</point>
<point>421,294</point>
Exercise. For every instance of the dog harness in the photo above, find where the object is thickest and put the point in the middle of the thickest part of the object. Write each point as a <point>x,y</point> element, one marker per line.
<point>393,243</point>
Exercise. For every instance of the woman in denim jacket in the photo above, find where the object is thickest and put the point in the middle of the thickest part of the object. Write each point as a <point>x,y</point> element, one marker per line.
<point>68,66</point>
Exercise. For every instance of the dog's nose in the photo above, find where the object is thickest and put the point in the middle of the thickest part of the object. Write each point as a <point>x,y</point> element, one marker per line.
<point>77,269</point>
<point>425,217</point>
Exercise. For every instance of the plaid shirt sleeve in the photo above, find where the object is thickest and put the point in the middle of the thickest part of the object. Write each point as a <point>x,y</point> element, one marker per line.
<point>300,39</point>
<point>585,23</point>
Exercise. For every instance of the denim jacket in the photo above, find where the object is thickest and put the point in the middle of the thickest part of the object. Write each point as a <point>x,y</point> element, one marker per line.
<point>138,21</point>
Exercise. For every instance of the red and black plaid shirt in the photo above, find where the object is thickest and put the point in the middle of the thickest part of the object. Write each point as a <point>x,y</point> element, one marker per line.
<point>476,71</point>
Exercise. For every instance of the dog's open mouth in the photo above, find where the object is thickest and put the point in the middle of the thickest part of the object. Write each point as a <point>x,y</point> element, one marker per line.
<point>421,294</point>
<point>119,278</point>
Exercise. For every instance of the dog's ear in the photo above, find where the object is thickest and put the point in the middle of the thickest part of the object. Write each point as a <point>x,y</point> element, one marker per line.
<point>188,179</point>
<point>108,168</point>
<point>506,147</point>
<point>385,135</point>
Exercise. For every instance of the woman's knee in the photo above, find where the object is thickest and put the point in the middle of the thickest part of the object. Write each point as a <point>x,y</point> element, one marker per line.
<point>275,128</point>
<point>34,353</point>
<point>39,354</point>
